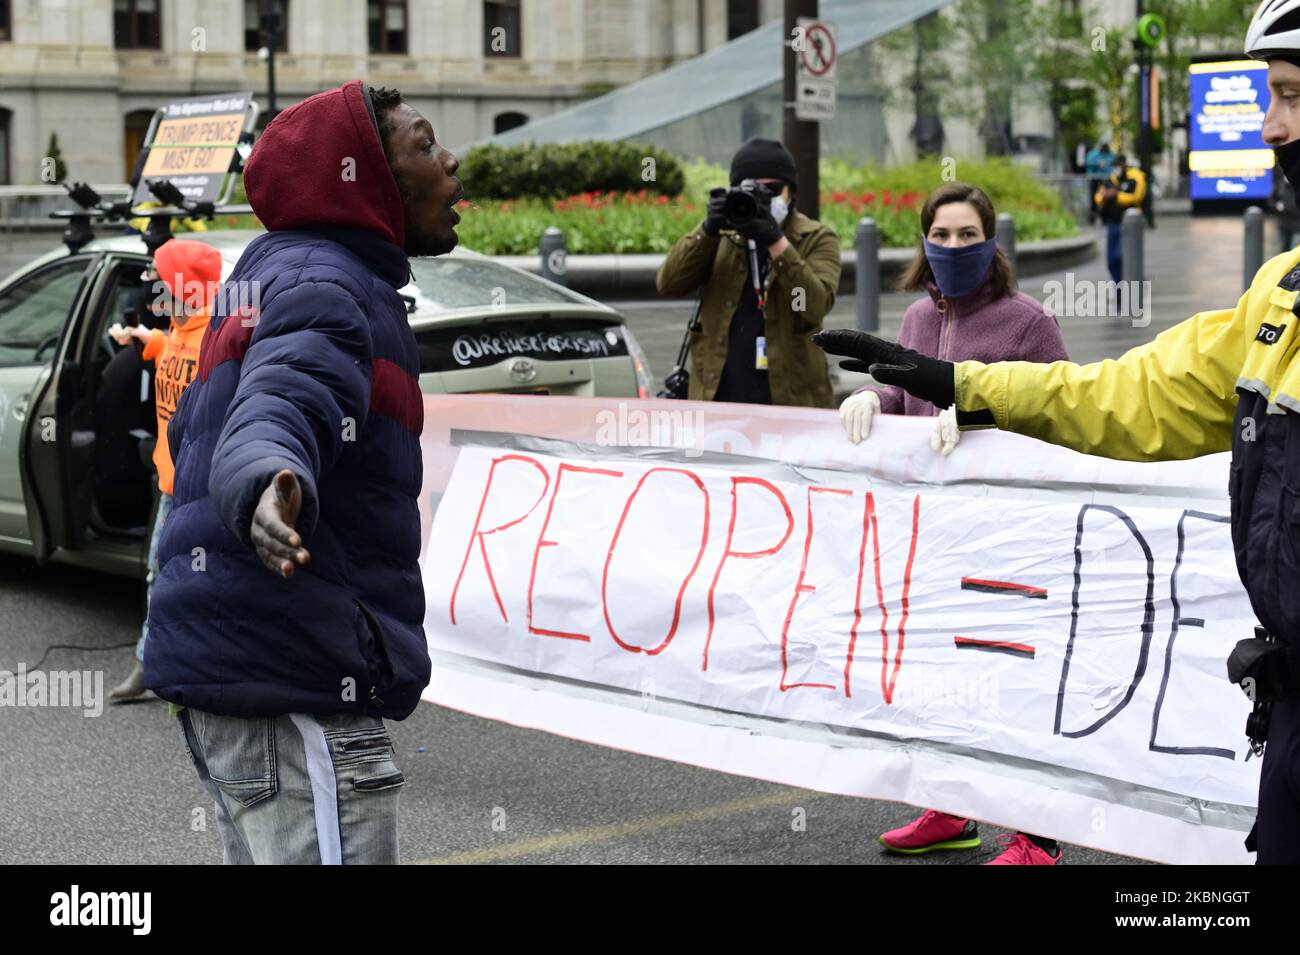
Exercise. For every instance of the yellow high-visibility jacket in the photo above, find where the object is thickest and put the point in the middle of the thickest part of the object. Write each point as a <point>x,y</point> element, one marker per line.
<point>1227,379</point>
<point>1134,180</point>
<point>1173,397</point>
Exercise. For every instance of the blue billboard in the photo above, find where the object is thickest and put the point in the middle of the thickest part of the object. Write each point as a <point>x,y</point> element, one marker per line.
<point>1227,156</point>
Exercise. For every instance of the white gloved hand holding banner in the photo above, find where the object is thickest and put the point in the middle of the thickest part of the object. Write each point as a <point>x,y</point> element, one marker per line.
<point>945,435</point>
<point>856,412</point>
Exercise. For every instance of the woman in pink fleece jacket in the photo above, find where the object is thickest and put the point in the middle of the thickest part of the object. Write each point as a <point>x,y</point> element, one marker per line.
<point>972,311</point>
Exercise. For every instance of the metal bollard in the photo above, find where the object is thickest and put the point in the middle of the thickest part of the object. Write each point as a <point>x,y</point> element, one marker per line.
<point>1132,232</point>
<point>554,255</point>
<point>1007,238</point>
<point>1253,245</point>
<point>866,276</point>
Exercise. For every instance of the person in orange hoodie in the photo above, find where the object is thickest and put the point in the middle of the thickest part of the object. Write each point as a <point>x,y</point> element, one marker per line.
<point>185,275</point>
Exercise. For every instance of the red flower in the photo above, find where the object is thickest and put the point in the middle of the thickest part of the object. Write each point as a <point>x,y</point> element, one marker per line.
<point>662,200</point>
<point>838,197</point>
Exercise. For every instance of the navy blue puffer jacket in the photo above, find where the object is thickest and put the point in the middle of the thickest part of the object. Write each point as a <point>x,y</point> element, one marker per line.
<point>321,379</point>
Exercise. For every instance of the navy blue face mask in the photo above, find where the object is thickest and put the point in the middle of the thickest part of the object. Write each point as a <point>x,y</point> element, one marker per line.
<point>1288,160</point>
<point>959,271</point>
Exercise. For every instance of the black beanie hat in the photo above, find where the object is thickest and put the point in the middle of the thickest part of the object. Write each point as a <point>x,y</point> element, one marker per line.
<point>763,159</point>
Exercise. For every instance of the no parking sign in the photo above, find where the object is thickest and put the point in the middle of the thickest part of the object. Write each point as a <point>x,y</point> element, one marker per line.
<point>816,47</point>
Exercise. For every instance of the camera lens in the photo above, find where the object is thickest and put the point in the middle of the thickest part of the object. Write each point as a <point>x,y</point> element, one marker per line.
<point>739,207</point>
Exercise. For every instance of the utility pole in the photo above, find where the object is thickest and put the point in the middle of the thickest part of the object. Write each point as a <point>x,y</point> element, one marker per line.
<point>801,137</point>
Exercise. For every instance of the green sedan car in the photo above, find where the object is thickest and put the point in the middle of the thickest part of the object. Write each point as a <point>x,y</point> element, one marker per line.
<point>77,426</point>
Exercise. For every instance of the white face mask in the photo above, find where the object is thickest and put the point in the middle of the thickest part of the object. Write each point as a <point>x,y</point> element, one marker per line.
<point>780,209</point>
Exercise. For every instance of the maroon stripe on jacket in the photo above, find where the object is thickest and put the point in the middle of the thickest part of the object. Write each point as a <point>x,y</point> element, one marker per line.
<point>396,393</point>
<point>226,342</point>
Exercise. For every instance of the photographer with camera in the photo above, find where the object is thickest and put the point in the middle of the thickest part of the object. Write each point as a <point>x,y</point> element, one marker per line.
<point>767,276</point>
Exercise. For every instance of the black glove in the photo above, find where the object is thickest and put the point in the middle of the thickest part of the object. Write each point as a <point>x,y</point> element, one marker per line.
<point>714,219</point>
<point>889,363</point>
<point>762,229</point>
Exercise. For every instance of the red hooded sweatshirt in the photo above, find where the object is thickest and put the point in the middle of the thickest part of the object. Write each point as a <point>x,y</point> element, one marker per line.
<point>346,184</point>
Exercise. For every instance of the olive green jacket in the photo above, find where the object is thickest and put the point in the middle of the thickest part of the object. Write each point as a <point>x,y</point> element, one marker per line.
<point>801,290</point>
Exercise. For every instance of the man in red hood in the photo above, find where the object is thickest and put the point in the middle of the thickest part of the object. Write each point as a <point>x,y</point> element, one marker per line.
<point>287,616</point>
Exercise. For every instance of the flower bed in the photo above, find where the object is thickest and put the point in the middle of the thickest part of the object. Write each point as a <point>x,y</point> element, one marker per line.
<point>644,221</point>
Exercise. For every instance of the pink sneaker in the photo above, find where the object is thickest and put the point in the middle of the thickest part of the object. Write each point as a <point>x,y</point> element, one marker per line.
<point>933,830</point>
<point>1020,850</point>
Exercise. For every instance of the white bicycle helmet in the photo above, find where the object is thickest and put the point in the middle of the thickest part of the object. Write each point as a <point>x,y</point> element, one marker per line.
<point>1274,30</point>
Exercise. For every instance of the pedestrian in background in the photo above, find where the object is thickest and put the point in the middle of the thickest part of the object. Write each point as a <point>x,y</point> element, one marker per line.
<point>181,283</point>
<point>1097,166</point>
<point>754,343</point>
<point>971,311</point>
<point>1125,189</point>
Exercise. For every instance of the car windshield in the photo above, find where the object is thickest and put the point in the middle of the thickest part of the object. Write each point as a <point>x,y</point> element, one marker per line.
<point>463,282</point>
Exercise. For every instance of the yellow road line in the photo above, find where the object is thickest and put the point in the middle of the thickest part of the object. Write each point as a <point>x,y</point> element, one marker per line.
<point>622,830</point>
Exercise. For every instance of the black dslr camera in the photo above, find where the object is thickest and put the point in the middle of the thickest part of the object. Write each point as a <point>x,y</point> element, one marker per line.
<point>745,203</point>
<point>677,384</point>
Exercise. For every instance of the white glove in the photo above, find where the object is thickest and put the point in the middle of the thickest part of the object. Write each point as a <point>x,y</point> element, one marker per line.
<point>945,435</point>
<point>119,333</point>
<point>856,412</point>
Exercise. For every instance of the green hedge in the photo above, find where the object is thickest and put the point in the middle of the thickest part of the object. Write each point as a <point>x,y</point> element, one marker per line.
<point>555,170</point>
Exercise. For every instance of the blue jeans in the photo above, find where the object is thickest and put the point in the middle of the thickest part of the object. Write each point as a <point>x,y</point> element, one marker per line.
<point>1115,250</point>
<point>164,508</point>
<point>298,789</point>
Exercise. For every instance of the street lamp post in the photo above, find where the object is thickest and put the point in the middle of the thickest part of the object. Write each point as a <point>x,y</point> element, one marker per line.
<point>1144,105</point>
<point>270,24</point>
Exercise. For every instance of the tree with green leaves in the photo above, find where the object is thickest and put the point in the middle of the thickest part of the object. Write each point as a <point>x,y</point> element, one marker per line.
<point>1059,63</point>
<point>1191,27</point>
<point>977,59</point>
<point>968,60</point>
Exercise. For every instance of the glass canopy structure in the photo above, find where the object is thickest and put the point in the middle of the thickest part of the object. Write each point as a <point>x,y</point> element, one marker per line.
<point>709,104</point>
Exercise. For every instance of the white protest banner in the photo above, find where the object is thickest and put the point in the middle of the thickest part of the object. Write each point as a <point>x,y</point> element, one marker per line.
<point>1017,633</point>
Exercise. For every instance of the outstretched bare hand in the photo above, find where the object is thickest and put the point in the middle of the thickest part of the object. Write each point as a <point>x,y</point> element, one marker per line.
<point>278,545</point>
